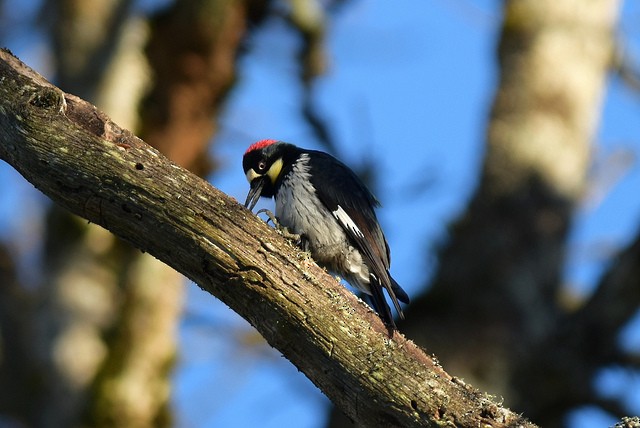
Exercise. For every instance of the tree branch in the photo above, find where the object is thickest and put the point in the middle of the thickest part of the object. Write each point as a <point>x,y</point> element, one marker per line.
<point>595,326</point>
<point>83,161</point>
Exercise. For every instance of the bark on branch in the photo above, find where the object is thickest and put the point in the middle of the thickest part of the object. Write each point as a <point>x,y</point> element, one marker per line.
<point>83,161</point>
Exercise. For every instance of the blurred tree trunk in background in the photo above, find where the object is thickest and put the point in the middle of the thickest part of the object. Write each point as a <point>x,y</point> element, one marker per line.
<point>192,51</point>
<point>493,314</point>
<point>105,317</point>
<point>497,293</point>
<point>18,379</point>
<point>84,292</point>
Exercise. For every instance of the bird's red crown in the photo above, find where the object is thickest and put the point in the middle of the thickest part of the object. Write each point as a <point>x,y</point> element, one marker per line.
<point>260,145</point>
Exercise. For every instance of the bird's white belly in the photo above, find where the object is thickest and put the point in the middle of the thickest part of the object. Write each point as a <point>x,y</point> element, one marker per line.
<point>302,213</point>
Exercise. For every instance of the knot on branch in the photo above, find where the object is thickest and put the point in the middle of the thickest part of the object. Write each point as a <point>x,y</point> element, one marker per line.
<point>49,98</point>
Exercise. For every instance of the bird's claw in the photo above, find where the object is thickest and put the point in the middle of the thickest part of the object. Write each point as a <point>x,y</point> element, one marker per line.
<point>298,239</point>
<point>270,216</point>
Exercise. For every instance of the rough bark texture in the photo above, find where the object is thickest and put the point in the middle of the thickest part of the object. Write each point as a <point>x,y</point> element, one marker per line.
<point>82,160</point>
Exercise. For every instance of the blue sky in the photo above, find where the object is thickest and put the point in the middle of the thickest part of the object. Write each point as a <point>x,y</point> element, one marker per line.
<point>408,88</point>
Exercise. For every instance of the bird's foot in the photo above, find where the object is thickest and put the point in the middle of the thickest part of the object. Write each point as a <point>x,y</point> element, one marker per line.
<point>281,229</point>
<point>271,216</point>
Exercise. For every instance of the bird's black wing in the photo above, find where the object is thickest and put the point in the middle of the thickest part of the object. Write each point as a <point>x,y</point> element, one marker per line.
<point>352,205</point>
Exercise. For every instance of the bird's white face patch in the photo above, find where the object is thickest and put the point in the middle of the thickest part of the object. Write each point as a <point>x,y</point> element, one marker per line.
<point>346,221</point>
<point>251,175</point>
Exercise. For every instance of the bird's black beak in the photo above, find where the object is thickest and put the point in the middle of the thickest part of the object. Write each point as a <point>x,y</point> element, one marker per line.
<point>254,193</point>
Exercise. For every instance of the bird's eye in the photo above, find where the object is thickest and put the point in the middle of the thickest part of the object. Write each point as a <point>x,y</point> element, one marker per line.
<point>262,165</point>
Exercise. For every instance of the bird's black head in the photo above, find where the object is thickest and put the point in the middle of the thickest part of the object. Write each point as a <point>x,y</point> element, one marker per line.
<point>263,164</point>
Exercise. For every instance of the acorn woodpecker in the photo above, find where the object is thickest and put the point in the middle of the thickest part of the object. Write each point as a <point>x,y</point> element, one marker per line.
<point>323,201</point>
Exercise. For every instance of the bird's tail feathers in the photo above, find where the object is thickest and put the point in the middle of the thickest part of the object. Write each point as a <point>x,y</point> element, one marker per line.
<point>380,305</point>
<point>399,292</point>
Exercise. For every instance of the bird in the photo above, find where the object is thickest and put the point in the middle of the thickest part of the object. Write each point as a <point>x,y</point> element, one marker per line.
<point>321,200</point>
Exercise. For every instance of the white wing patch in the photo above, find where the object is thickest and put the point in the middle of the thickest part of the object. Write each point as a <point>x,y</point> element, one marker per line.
<point>346,221</point>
